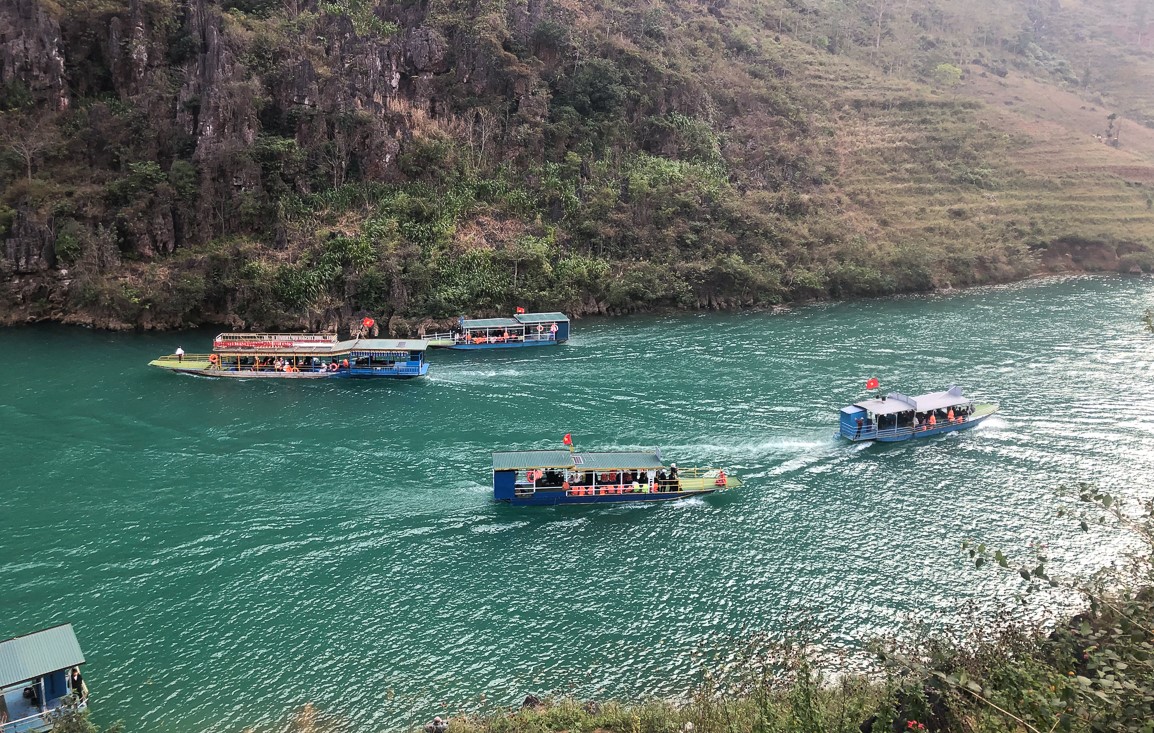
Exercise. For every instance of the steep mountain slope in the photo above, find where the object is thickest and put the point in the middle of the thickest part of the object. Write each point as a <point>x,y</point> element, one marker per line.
<point>298,163</point>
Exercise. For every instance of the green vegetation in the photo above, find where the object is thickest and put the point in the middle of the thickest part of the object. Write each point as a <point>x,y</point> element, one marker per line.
<point>606,158</point>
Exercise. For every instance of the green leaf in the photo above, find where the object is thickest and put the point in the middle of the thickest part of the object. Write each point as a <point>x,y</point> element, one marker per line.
<point>1085,527</point>
<point>1025,573</point>
<point>1107,500</point>
<point>979,563</point>
<point>1002,561</point>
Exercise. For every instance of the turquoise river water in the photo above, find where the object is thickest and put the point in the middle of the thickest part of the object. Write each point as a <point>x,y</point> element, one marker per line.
<point>232,551</point>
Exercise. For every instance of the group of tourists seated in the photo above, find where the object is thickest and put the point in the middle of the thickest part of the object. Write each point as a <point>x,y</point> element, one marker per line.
<point>302,364</point>
<point>588,483</point>
<point>948,416</point>
<point>485,337</point>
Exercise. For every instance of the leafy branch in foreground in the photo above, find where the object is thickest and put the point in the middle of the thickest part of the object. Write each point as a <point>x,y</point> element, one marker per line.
<point>1092,672</point>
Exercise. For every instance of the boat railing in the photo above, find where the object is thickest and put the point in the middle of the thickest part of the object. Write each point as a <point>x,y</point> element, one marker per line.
<point>39,721</point>
<point>874,433</point>
<point>317,338</point>
<point>174,359</point>
<point>709,477</point>
<point>460,338</point>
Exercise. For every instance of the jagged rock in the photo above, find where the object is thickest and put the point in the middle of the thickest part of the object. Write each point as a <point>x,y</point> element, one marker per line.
<point>30,52</point>
<point>426,50</point>
<point>31,246</point>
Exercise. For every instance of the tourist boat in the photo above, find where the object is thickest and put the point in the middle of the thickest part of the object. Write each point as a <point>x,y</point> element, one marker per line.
<point>550,477</point>
<point>895,416</point>
<point>523,329</point>
<point>302,356</point>
<point>34,679</point>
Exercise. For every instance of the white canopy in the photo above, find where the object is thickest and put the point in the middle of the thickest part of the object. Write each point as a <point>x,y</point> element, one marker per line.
<point>896,402</point>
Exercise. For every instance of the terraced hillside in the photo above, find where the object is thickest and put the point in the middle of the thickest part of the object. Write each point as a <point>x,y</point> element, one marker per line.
<point>264,164</point>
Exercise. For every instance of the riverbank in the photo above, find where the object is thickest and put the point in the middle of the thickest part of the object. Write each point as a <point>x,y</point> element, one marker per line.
<point>45,298</point>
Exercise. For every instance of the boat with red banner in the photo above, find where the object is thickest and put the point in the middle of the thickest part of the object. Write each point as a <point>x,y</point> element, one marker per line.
<point>302,356</point>
<point>520,331</point>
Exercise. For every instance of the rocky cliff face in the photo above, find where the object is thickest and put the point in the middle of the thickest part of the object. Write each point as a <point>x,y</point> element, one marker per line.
<point>295,162</point>
<point>31,53</point>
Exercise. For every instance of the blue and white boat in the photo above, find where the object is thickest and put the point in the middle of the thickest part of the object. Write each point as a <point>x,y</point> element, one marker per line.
<point>895,416</point>
<point>34,679</point>
<point>551,477</point>
<point>523,329</point>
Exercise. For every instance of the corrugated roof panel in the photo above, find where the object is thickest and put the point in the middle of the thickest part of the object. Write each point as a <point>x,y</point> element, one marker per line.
<point>517,460</point>
<point>390,345</point>
<point>599,461</point>
<point>33,655</point>
<point>619,460</point>
<point>491,323</point>
<point>542,317</point>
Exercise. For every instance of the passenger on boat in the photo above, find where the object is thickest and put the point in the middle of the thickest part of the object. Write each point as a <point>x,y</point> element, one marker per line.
<point>674,481</point>
<point>437,726</point>
<point>932,421</point>
<point>344,363</point>
<point>950,415</point>
<point>179,354</point>
<point>76,682</point>
<point>857,433</point>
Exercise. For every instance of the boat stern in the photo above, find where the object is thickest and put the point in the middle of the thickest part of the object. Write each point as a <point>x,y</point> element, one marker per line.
<point>849,426</point>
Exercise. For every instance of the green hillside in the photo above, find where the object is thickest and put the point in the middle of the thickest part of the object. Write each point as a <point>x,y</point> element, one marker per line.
<point>295,164</point>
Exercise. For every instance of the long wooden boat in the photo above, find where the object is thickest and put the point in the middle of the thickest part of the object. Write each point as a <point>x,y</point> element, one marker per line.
<point>896,417</point>
<point>520,331</point>
<point>552,477</point>
<point>302,356</point>
<point>36,686</point>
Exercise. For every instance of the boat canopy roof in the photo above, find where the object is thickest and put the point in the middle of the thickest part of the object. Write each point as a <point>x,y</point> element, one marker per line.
<point>896,402</point>
<point>382,345</point>
<point>520,460</point>
<point>27,657</point>
<point>490,323</point>
<point>308,343</point>
<point>542,317</point>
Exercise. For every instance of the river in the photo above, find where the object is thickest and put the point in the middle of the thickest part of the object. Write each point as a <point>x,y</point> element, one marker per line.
<point>231,551</point>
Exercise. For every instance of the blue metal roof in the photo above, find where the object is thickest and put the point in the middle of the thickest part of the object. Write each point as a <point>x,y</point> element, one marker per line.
<point>33,655</point>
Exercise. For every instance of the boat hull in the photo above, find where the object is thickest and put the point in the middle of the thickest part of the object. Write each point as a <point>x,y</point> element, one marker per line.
<point>343,374</point>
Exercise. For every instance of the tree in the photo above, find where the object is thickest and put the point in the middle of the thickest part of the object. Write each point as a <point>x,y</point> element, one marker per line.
<point>28,135</point>
<point>947,75</point>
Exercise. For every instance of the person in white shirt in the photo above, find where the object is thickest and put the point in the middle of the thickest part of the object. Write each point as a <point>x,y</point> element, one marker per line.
<point>179,354</point>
